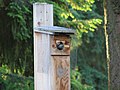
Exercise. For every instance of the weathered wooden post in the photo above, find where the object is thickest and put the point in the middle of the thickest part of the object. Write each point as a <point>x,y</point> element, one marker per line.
<point>51,51</point>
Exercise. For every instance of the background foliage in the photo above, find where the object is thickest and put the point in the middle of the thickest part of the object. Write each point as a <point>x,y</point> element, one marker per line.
<point>14,82</point>
<point>88,65</point>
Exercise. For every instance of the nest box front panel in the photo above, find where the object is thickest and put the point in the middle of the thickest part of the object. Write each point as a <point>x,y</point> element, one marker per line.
<point>61,68</point>
<point>60,45</point>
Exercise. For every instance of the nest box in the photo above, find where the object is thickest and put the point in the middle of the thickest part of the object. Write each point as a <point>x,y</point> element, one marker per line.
<point>51,51</point>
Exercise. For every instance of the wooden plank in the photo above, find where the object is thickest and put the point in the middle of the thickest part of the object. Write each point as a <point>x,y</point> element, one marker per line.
<point>43,14</point>
<point>60,38</point>
<point>49,15</point>
<point>55,30</point>
<point>42,63</point>
<point>61,67</point>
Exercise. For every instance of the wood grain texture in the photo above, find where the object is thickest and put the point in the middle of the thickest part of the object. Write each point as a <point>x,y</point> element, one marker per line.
<point>61,66</point>
<point>42,63</point>
<point>63,38</point>
<point>42,16</point>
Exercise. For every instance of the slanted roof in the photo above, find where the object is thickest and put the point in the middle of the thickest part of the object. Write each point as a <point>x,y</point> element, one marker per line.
<point>54,30</point>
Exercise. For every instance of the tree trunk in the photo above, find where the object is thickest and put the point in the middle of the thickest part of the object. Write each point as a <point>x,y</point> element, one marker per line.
<point>112,33</point>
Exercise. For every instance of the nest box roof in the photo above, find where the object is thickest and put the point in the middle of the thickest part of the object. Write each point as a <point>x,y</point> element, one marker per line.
<point>54,30</point>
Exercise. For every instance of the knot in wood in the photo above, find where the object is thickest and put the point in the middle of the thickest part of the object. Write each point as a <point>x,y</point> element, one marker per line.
<point>61,71</point>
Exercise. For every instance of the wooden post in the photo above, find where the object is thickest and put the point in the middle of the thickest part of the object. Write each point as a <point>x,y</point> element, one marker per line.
<point>42,16</point>
<point>51,66</point>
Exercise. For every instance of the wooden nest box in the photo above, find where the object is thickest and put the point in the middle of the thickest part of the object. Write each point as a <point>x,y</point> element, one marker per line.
<point>59,39</point>
<point>51,52</point>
